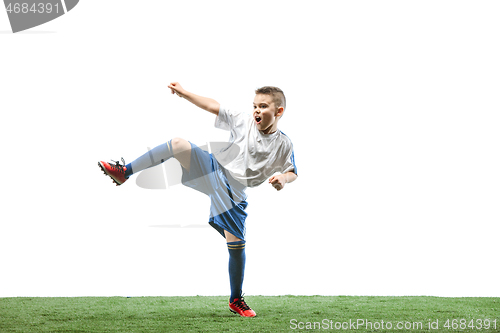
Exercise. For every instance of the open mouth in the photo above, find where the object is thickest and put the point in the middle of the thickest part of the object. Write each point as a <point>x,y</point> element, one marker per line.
<point>258,119</point>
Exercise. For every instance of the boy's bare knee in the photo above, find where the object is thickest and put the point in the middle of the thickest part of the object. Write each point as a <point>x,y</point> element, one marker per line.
<point>177,142</point>
<point>182,151</point>
<point>179,145</point>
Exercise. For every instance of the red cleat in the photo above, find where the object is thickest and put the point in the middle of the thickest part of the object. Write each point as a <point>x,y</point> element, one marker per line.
<point>240,307</point>
<point>115,171</point>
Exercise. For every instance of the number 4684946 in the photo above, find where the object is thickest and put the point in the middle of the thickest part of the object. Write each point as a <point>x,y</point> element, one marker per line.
<point>36,8</point>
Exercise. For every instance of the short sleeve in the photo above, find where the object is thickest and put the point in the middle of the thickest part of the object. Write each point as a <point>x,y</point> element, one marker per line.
<point>226,119</point>
<point>290,164</point>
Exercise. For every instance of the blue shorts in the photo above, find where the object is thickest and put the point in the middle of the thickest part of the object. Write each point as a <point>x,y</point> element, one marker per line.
<point>227,196</point>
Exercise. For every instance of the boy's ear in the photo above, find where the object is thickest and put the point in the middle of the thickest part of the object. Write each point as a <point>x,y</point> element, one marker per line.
<point>280,111</point>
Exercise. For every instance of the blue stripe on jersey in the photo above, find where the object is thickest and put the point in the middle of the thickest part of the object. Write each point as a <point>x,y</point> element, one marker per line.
<point>293,162</point>
<point>293,156</point>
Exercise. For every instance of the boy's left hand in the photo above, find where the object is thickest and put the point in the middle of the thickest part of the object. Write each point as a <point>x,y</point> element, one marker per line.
<point>278,181</point>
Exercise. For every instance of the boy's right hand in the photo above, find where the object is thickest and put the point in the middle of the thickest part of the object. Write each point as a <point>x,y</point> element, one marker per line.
<point>177,89</point>
<point>205,103</point>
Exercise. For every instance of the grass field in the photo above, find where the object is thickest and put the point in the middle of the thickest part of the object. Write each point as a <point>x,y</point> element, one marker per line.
<point>274,314</point>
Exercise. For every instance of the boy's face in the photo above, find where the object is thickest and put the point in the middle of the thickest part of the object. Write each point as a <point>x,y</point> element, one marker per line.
<point>266,114</point>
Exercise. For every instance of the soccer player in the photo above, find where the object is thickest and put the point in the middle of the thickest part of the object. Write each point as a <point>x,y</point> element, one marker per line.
<point>256,151</point>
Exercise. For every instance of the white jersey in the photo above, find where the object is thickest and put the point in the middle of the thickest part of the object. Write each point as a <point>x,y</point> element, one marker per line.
<point>251,156</point>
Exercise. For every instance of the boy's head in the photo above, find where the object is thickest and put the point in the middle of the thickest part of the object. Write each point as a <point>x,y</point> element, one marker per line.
<point>269,105</point>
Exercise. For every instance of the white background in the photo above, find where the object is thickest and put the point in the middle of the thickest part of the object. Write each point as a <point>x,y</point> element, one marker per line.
<point>393,109</point>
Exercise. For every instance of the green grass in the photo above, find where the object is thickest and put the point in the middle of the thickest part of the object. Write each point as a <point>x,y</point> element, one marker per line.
<point>210,314</point>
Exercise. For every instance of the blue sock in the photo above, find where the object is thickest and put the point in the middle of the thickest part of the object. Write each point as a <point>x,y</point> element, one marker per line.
<point>128,170</point>
<point>153,157</point>
<point>236,267</point>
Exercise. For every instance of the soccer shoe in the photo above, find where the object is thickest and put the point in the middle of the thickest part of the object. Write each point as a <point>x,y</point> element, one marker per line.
<point>240,307</point>
<point>115,171</point>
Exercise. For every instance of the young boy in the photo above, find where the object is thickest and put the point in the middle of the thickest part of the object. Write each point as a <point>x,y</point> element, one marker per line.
<point>255,152</point>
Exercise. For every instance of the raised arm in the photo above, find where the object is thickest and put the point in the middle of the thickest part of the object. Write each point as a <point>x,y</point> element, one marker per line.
<point>205,103</point>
